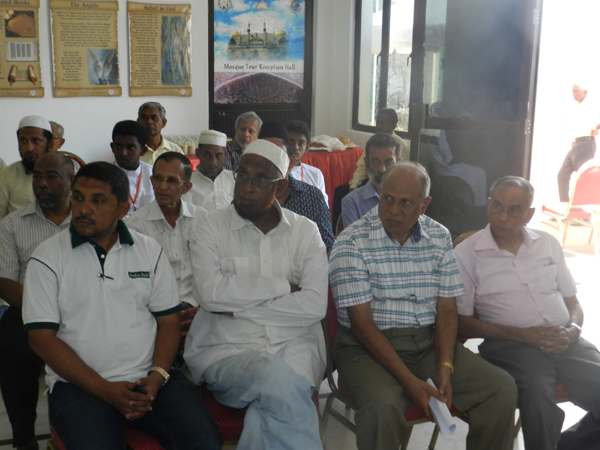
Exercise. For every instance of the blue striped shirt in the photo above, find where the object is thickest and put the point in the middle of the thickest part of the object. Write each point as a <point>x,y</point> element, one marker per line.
<point>402,282</point>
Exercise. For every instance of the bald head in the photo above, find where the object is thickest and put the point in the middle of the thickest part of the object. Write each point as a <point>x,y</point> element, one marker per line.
<point>413,168</point>
<point>60,162</point>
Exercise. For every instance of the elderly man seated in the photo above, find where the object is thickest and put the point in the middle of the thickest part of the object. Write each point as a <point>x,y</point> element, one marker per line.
<point>520,296</point>
<point>153,117</point>
<point>260,276</point>
<point>394,280</point>
<point>212,185</point>
<point>247,126</point>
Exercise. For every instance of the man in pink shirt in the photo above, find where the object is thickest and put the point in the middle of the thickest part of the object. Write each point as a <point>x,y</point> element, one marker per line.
<point>521,298</point>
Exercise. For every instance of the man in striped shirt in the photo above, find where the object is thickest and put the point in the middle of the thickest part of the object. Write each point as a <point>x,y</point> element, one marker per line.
<point>394,280</point>
<point>20,233</point>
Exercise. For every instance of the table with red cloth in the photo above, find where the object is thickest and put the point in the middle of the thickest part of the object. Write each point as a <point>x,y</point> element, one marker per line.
<point>337,166</point>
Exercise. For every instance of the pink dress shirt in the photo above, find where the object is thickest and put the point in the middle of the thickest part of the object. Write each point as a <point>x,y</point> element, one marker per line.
<point>522,290</point>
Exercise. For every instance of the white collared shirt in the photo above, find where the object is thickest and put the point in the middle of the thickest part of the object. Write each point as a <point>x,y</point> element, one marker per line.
<point>211,195</point>
<point>143,195</point>
<point>150,220</point>
<point>16,189</point>
<point>311,175</point>
<point>239,269</point>
<point>522,290</point>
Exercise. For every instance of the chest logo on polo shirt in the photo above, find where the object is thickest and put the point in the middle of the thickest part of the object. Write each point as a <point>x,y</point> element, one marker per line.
<point>139,274</point>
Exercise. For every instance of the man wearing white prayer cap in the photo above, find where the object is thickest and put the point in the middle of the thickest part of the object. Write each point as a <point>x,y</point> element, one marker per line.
<point>212,185</point>
<point>34,135</point>
<point>260,277</point>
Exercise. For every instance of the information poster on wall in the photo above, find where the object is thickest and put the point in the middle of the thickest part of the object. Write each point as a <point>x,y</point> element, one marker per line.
<point>85,42</point>
<point>19,49</point>
<point>160,49</point>
<point>258,51</point>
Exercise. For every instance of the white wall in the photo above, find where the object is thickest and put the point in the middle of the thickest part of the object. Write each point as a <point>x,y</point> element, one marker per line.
<point>88,121</point>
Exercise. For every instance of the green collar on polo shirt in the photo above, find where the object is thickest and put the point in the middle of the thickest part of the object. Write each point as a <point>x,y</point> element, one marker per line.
<point>124,235</point>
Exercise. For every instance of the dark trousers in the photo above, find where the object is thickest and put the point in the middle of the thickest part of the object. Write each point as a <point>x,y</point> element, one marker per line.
<point>178,420</point>
<point>582,150</point>
<point>20,370</point>
<point>536,372</point>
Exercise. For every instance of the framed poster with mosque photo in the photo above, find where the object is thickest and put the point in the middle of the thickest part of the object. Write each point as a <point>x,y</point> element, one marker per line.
<point>261,53</point>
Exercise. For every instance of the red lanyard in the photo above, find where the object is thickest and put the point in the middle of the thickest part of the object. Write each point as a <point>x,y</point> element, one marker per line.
<point>137,190</point>
<point>301,173</point>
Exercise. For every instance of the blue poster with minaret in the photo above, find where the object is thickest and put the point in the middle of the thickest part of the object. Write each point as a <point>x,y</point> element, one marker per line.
<point>259,51</point>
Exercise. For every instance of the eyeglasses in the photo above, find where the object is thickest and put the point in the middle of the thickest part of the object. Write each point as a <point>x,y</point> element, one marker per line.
<point>259,182</point>
<point>173,182</point>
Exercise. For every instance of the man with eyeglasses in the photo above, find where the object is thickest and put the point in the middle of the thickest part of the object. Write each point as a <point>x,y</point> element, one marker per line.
<point>260,276</point>
<point>168,219</point>
<point>212,185</point>
<point>20,233</point>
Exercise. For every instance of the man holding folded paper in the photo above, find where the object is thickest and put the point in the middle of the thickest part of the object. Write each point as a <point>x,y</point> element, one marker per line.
<point>394,280</point>
<point>521,297</point>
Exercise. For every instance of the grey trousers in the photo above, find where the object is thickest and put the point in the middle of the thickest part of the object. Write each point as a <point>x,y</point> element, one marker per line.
<point>535,372</point>
<point>486,393</point>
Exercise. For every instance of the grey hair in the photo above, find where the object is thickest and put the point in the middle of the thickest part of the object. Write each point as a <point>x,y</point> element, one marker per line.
<point>511,180</point>
<point>248,115</point>
<point>161,109</point>
<point>59,129</point>
<point>416,169</point>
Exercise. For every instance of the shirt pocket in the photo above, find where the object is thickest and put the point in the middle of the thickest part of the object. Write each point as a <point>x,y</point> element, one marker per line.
<point>235,265</point>
<point>544,279</point>
<point>418,287</point>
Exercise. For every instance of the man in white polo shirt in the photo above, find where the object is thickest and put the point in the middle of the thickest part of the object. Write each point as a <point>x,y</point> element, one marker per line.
<point>100,304</point>
<point>34,135</point>
<point>212,184</point>
<point>129,138</point>
<point>300,137</point>
<point>169,220</point>
<point>153,117</point>
<point>20,233</point>
<point>260,276</point>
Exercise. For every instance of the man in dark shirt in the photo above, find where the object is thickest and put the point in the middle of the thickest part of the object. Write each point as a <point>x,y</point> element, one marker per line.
<point>297,196</point>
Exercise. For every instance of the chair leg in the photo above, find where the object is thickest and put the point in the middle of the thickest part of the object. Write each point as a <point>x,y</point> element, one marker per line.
<point>518,426</point>
<point>406,438</point>
<point>434,437</point>
<point>564,232</point>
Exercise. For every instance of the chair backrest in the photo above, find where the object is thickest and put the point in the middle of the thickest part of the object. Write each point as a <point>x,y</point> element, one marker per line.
<point>73,156</point>
<point>587,187</point>
<point>331,318</point>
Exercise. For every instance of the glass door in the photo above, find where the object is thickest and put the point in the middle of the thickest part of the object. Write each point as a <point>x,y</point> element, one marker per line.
<point>471,100</point>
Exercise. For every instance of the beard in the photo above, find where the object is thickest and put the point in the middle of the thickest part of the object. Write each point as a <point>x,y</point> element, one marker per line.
<point>251,211</point>
<point>28,165</point>
<point>374,178</point>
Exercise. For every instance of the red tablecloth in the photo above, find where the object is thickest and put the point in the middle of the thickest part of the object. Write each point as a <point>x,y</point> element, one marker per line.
<point>337,166</point>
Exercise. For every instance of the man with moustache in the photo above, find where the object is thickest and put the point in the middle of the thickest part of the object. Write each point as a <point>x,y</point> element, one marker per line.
<point>212,185</point>
<point>260,278</point>
<point>20,233</point>
<point>153,116</point>
<point>101,307</point>
<point>247,127</point>
<point>34,135</point>
<point>129,138</point>
<point>381,152</point>
<point>168,220</point>
<point>394,280</point>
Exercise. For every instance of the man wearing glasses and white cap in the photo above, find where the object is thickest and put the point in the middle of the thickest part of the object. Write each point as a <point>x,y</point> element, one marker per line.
<point>35,138</point>
<point>260,276</point>
<point>212,185</point>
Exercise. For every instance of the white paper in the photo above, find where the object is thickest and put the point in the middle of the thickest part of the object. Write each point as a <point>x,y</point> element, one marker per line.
<point>441,414</point>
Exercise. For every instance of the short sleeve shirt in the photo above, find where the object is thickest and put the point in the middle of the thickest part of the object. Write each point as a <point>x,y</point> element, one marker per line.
<point>402,282</point>
<point>102,305</point>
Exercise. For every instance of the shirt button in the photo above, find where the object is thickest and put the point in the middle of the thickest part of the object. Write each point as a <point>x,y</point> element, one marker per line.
<point>102,256</point>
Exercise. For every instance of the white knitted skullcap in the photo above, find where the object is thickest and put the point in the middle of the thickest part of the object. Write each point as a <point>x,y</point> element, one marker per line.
<point>35,121</point>
<point>271,152</point>
<point>212,137</point>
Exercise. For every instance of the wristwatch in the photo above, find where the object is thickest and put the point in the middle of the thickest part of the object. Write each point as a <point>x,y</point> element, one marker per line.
<point>578,327</point>
<point>161,371</point>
